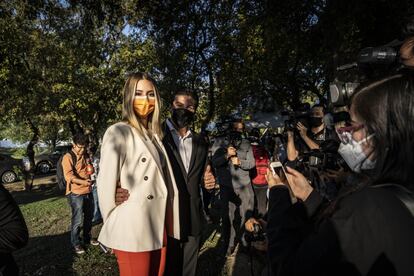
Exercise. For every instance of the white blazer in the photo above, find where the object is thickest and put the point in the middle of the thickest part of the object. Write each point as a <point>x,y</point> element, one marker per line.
<point>138,224</point>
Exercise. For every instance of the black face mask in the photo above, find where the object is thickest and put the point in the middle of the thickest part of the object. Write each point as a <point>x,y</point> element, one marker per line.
<point>182,117</point>
<point>315,121</point>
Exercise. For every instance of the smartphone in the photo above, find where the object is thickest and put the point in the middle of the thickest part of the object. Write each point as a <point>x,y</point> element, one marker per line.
<point>277,168</point>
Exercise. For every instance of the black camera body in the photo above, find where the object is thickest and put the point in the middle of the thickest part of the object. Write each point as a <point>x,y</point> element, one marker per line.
<point>258,234</point>
<point>326,157</point>
<point>300,115</point>
<point>235,139</point>
<point>324,160</point>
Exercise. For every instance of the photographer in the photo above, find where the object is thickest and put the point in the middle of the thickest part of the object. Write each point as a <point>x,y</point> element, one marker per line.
<point>368,229</point>
<point>310,138</point>
<point>233,159</point>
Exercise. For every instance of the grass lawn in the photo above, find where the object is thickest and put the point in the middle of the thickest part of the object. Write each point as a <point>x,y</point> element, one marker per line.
<point>49,252</point>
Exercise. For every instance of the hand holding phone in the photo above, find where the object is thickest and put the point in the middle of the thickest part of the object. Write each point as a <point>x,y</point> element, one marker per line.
<point>279,171</point>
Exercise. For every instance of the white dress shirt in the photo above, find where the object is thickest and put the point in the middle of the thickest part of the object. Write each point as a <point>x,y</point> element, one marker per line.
<point>184,144</point>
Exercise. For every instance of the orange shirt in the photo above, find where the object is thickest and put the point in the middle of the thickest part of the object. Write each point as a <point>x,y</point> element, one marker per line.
<point>70,174</point>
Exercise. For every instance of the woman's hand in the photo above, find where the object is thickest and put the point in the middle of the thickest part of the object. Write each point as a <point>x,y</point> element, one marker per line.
<point>299,185</point>
<point>273,179</point>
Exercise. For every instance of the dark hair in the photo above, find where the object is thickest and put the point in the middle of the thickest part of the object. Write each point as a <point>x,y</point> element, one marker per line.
<point>319,105</point>
<point>80,139</point>
<point>386,108</point>
<point>184,92</point>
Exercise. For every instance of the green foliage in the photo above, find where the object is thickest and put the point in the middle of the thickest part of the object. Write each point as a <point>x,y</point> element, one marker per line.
<point>63,63</point>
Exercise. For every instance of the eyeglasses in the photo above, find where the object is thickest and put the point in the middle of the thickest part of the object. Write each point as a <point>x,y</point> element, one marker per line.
<point>345,133</point>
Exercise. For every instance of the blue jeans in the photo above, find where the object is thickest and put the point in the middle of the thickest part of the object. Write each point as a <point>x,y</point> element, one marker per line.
<point>82,208</point>
<point>97,217</point>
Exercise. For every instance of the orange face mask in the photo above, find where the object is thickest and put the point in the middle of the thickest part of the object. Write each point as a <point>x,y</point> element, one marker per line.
<point>143,106</point>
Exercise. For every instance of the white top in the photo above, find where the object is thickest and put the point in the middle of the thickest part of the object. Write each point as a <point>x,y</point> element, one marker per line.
<point>184,144</point>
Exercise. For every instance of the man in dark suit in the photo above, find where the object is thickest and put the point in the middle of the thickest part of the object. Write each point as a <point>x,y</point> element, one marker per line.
<point>13,232</point>
<point>188,154</point>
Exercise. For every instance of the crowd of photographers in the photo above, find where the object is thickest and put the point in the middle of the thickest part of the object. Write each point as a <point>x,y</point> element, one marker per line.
<point>241,158</point>
<point>342,201</point>
<point>345,200</point>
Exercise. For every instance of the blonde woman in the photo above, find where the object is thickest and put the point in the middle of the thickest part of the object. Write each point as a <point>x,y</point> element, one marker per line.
<point>132,154</point>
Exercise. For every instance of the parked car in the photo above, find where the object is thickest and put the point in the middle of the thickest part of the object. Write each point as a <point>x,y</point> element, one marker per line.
<point>9,167</point>
<point>47,161</point>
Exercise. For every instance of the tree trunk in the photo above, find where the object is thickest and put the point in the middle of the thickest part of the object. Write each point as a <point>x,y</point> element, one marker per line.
<point>29,176</point>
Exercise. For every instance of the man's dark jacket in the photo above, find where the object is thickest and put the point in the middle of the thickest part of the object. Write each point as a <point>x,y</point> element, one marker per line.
<point>188,184</point>
<point>13,232</point>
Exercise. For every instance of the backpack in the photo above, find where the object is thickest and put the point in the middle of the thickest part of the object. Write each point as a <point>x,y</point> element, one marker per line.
<point>261,158</point>
<point>60,176</point>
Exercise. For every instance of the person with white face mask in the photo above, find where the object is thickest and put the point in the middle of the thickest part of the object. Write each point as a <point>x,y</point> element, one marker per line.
<point>368,229</point>
<point>352,151</point>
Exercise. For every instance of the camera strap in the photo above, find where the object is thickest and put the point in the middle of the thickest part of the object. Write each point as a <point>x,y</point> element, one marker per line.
<point>403,194</point>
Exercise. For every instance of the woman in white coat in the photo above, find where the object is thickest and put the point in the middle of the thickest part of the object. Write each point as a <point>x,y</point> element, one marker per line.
<point>132,154</point>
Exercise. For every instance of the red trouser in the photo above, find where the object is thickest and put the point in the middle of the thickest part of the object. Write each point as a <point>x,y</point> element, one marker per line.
<point>149,263</point>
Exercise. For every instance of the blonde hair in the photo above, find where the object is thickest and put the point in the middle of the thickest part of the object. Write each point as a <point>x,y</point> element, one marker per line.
<point>128,114</point>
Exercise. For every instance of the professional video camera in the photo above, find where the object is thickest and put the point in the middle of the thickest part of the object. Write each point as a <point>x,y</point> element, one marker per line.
<point>372,63</point>
<point>316,163</point>
<point>301,115</point>
<point>327,157</point>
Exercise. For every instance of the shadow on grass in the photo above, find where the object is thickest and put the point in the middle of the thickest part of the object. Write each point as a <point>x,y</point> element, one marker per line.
<point>47,255</point>
<point>41,192</point>
<point>53,255</point>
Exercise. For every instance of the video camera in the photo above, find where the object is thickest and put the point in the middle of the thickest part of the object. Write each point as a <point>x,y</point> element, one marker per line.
<point>327,157</point>
<point>374,62</point>
<point>301,115</point>
<point>258,234</point>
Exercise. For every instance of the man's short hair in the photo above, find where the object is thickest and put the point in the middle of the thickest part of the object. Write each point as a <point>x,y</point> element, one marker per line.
<point>321,106</point>
<point>80,139</point>
<point>185,92</point>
